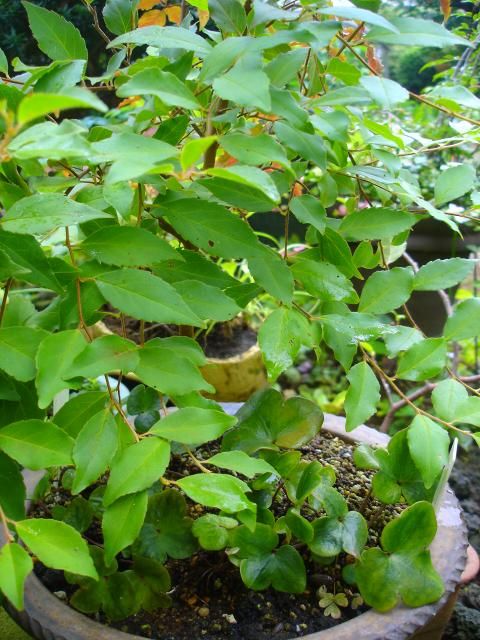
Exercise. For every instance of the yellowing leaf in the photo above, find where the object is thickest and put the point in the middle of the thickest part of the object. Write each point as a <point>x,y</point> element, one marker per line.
<point>174,14</point>
<point>155,17</point>
<point>446,9</point>
<point>203,17</point>
<point>145,5</point>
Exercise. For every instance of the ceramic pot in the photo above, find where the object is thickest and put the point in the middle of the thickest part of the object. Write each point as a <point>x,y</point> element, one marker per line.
<point>46,617</point>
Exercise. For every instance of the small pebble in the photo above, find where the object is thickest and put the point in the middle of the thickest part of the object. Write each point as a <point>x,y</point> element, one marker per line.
<point>230,618</point>
<point>204,612</point>
<point>61,595</point>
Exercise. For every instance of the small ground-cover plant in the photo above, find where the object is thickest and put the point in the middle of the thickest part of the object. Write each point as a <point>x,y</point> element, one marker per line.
<point>136,207</point>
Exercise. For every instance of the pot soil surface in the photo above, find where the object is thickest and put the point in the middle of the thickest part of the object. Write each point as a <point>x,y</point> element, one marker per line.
<point>209,598</point>
<point>465,480</point>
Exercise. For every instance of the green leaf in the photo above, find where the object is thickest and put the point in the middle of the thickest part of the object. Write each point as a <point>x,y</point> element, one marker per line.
<point>385,291</point>
<point>309,210</point>
<point>217,491</point>
<point>212,228</point>
<point>165,38</point>
<point>18,346</point>
<point>360,15</point>
<point>94,449</point>
<point>245,87</point>
<point>3,62</point>
<point>257,150</point>
<point>376,224</point>
<point>355,533</point>
<point>327,537</point>
<point>386,93</point>
<point>128,247</point>
<point>454,182</point>
<point>142,399</point>
<point>12,489</point>
<point>105,354</point>
<point>240,462</point>
<point>442,274</point>
<point>405,572</point>
<point>56,37</point>
<point>284,570</point>
<point>243,186</point>
<point>9,268</point>
<point>162,84</point>
<point>118,15</point>
<point>401,340</point>
<point>308,146</point>
<point>194,149</point>
<point>429,444</point>
<point>266,421</point>
<point>121,523</point>
<point>300,527</point>
<point>464,322</point>
<point>167,530</point>
<point>44,212</point>
<point>323,280</point>
<point>169,372</point>
<point>145,297</point>
<point>37,105</point>
<point>212,531</point>
<point>15,566</point>
<point>280,338</point>
<point>272,273</point>
<point>416,31</point>
<point>423,360</point>
<point>36,444</point>
<point>55,356</point>
<point>229,15</point>
<point>26,251</point>
<point>78,410</point>
<point>193,426</point>
<point>57,545</point>
<point>362,396</point>
<point>207,302</point>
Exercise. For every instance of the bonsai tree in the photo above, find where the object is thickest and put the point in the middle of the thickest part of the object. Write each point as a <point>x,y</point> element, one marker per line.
<point>220,109</point>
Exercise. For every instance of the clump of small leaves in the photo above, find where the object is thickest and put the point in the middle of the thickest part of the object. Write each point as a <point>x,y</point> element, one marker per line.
<point>140,206</point>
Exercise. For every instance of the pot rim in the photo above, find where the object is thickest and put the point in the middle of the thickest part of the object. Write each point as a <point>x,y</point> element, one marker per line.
<point>48,618</point>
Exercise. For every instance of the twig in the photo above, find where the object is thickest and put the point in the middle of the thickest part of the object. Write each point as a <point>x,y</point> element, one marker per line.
<point>6,530</point>
<point>6,289</point>
<point>96,24</point>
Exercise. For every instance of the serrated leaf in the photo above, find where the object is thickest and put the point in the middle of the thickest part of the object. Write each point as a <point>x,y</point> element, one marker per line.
<point>193,426</point>
<point>15,566</point>
<point>207,302</point>
<point>442,274</point>
<point>137,468</point>
<point>416,31</point>
<point>257,150</point>
<point>423,360</point>
<point>454,182</point>
<point>359,14</point>
<point>121,523</point>
<point>211,228</point>
<point>54,360</point>
<point>323,280</point>
<point>401,340</point>
<point>464,322</point>
<point>280,338</point>
<point>240,462</point>
<point>217,491</point>
<point>128,247</point>
<point>36,105</point>
<point>104,354</point>
<point>272,273</point>
<point>385,92</point>
<point>12,488</point>
<point>309,210</point>
<point>376,224</point>
<point>229,15</point>
<point>118,15</point>
<point>385,291</point>
<point>284,570</point>
<point>36,444</point>
<point>57,545</point>
<point>164,38</point>
<point>56,37</point>
<point>245,87</point>
<point>429,444</point>
<point>310,146</point>
<point>166,86</point>
<point>145,297</point>
<point>44,212</point>
<point>94,449</point>
<point>78,410</point>
<point>18,347</point>
<point>362,396</point>
<point>212,531</point>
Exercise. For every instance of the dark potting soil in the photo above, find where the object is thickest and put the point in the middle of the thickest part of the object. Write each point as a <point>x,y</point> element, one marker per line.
<point>224,341</point>
<point>465,481</point>
<point>209,598</point>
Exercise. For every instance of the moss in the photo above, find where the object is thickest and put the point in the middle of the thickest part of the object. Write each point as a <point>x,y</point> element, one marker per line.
<point>8,629</point>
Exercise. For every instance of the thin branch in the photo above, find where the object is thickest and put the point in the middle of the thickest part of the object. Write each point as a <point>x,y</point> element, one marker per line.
<point>6,289</point>
<point>6,530</point>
